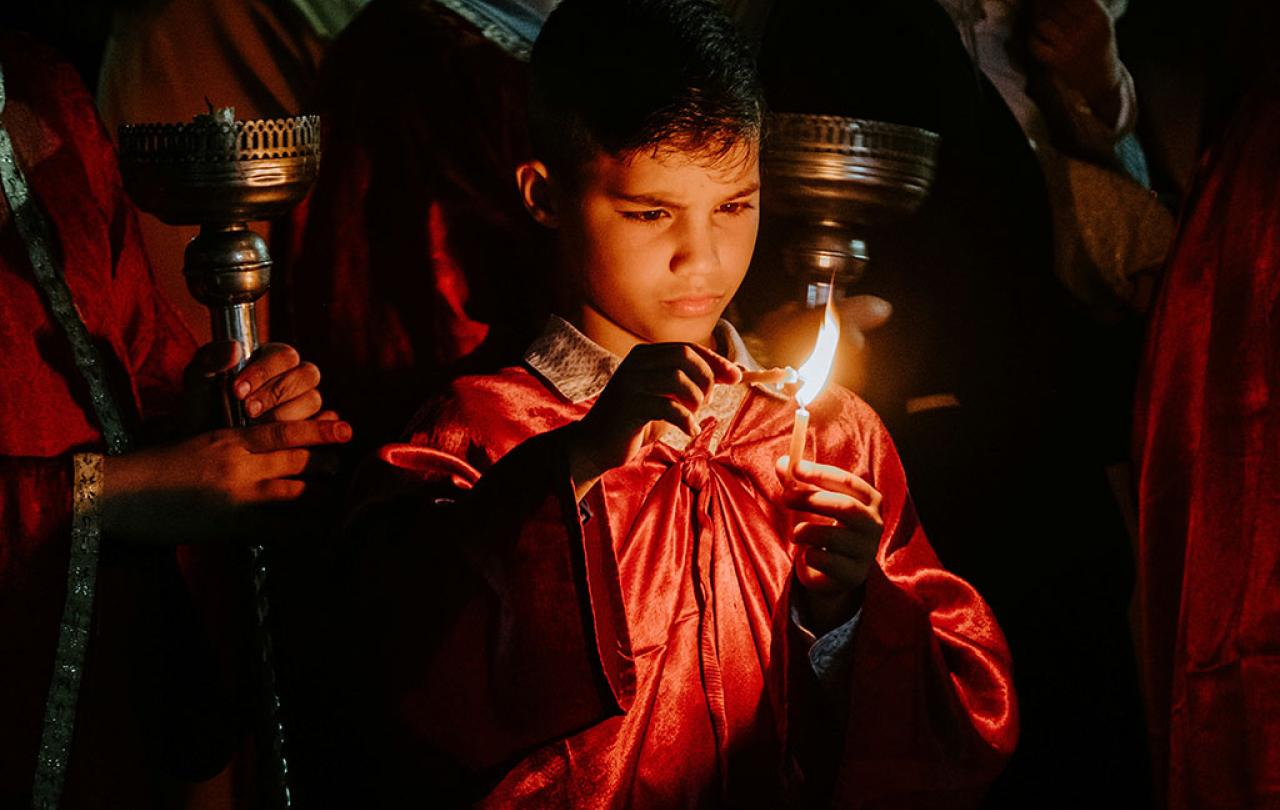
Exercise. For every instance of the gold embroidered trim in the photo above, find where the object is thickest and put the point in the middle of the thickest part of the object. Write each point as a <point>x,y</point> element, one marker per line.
<point>73,635</point>
<point>82,571</point>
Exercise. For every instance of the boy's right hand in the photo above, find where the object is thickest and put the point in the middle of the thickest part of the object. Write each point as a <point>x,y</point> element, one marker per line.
<point>213,486</point>
<point>657,382</point>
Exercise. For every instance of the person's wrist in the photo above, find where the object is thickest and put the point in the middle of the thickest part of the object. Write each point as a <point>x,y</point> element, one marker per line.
<point>114,477</point>
<point>121,481</point>
<point>827,610</point>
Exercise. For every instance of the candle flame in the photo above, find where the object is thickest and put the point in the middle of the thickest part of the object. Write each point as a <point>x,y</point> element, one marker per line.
<point>815,371</point>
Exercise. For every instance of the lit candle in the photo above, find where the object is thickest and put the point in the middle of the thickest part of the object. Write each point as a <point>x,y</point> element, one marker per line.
<point>798,435</point>
<point>813,378</point>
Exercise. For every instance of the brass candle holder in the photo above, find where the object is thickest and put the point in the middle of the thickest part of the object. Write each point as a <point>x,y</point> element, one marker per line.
<point>221,174</point>
<point>830,181</point>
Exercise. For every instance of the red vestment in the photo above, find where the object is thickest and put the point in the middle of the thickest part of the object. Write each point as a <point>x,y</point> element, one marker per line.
<point>46,416</point>
<point>645,656</point>
<point>1208,433</point>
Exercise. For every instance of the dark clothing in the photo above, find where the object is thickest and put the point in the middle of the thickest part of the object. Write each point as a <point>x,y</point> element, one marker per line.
<point>978,314</point>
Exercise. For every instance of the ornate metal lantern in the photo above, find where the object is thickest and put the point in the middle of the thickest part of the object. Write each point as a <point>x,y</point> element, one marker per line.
<point>831,180</point>
<point>221,174</point>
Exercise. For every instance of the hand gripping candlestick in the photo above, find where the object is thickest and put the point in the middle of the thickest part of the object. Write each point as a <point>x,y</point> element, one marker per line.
<point>220,174</point>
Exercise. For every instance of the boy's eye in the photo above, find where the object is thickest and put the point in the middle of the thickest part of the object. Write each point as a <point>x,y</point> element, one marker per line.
<point>645,216</point>
<point>735,207</point>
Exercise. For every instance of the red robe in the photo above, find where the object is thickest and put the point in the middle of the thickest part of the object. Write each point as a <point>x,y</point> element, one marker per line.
<point>645,657</point>
<point>1208,433</point>
<point>46,416</point>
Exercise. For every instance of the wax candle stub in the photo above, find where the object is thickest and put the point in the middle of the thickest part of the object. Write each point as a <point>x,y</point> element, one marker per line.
<point>799,434</point>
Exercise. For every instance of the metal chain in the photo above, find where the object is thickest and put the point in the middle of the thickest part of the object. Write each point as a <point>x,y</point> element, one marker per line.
<point>273,713</point>
<point>275,757</point>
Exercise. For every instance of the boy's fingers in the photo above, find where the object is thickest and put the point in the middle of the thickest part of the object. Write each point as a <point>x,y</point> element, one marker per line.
<point>836,505</point>
<point>720,368</point>
<point>847,571</point>
<point>826,476</point>
<point>697,369</point>
<point>672,412</point>
<point>768,376</point>
<point>697,361</point>
<point>270,360</point>
<point>282,435</point>
<point>812,578</point>
<point>662,357</point>
<point>834,538</point>
<point>675,386</point>
<point>724,371</point>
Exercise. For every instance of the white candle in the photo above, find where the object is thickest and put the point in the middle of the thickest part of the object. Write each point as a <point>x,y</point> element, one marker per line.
<point>799,434</point>
<point>813,376</point>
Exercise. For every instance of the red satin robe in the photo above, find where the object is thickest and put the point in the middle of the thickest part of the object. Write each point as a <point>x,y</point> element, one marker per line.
<point>46,416</point>
<point>645,656</point>
<point>1208,432</point>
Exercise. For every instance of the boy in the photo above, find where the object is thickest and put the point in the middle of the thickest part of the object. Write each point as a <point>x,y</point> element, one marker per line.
<point>610,592</point>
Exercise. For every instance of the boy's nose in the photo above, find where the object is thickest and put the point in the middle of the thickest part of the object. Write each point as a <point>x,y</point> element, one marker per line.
<point>696,251</point>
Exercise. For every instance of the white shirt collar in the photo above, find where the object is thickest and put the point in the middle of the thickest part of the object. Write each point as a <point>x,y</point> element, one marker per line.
<point>578,368</point>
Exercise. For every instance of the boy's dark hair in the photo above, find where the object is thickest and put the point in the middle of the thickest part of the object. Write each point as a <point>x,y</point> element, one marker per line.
<point>622,76</point>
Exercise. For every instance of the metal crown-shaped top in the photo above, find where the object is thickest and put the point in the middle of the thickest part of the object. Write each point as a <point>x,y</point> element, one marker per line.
<point>206,139</point>
<point>847,169</point>
<point>217,170</point>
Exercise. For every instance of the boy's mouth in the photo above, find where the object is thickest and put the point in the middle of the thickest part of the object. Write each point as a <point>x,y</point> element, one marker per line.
<point>693,306</point>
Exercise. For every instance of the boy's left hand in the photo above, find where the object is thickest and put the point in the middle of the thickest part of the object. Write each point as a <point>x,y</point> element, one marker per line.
<point>837,553</point>
<point>275,385</point>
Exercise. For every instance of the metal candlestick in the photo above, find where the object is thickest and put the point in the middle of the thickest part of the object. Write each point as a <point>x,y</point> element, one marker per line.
<point>831,180</point>
<point>221,174</point>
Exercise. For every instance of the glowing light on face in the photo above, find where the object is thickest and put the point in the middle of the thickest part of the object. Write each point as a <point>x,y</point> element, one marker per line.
<point>817,369</point>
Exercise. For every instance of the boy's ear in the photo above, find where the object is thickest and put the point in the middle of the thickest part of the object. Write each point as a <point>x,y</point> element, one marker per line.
<point>534,181</point>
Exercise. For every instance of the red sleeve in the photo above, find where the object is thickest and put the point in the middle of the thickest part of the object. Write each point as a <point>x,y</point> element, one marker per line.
<point>933,713</point>
<point>158,340</point>
<point>155,342</point>
<point>502,612</point>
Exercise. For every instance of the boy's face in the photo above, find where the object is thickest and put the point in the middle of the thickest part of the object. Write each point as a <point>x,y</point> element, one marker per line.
<point>658,244</point>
